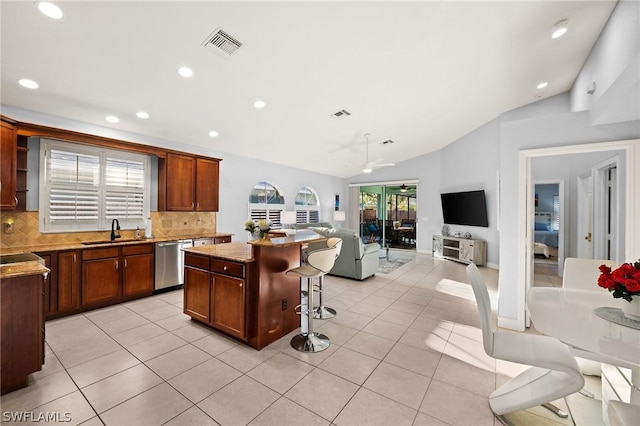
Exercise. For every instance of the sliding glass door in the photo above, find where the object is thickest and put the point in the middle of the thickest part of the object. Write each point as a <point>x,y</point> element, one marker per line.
<point>388,215</point>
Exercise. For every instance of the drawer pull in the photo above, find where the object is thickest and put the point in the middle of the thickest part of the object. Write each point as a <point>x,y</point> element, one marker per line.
<point>240,284</point>
<point>224,268</point>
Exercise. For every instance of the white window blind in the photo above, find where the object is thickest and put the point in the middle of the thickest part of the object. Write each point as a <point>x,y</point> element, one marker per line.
<point>84,188</point>
<point>267,211</point>
<point>74,180</point>
<point>124,190</point>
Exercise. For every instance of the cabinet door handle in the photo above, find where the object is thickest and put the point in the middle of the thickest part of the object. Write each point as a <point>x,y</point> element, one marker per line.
<point>240,284</point>
<point>74,258</point>
<point>125,263</point>
<point>16,198</point>
<point>116,264</point>
<point>198,205</point>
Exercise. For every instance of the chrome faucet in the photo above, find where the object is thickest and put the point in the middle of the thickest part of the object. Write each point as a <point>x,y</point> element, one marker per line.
<point>115,231</point>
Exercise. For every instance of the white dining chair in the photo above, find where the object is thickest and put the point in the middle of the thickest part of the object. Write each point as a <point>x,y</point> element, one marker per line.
<point>582,274</point>
<point>553,374</point>
<point>623,414</point>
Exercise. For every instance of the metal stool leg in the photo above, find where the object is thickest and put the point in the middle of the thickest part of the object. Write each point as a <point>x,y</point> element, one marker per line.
<point>312,341</point>
<point>322,312</point>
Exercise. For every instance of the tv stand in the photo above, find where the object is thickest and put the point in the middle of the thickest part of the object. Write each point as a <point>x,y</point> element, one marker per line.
<point>460,249</point>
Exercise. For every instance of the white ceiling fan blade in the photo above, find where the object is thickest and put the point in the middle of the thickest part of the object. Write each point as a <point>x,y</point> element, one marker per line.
<point>378,165</point>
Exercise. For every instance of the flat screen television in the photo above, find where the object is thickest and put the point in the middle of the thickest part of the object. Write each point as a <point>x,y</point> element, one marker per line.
<point>465,208</point>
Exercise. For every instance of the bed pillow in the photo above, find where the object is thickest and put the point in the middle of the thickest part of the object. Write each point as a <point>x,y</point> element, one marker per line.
<point>541,226</point>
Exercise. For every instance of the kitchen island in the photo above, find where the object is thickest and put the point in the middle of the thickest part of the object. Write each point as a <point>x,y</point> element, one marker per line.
<point>242,288</point>
<point>22,279</point>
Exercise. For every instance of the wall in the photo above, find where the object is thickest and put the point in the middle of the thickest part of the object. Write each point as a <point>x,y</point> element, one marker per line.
<point>238,174</point>
<point>544,195</point>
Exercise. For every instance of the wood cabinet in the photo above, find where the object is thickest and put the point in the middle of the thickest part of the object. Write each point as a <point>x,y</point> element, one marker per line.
<point>115,274</point>
<point>207,181</point>
<point>228,300</point>
<point>8,166</point>
<point>22,330</point>
<point>460,249</point>
<point>188,183</point>
<point>68,281</point>
<point>138,270</point>
<point>197,288</point>
<point>215,293</point>
<point>100,275</point>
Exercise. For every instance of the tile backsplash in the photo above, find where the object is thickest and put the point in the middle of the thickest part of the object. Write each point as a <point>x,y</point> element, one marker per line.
<point>164,224</point>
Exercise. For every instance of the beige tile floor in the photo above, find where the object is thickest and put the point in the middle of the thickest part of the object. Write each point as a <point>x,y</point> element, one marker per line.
<point>405,350</point>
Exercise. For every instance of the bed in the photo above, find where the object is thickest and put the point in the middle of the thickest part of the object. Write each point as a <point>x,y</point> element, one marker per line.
<point>544,236</point>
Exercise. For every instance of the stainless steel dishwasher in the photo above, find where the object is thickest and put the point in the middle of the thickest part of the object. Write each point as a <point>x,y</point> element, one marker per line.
<point>170,263</point>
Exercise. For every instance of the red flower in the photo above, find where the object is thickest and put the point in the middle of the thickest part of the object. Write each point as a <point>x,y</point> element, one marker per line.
<point>623,282</point>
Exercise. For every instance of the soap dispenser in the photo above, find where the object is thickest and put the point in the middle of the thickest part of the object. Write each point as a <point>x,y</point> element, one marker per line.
<point>138,233</point>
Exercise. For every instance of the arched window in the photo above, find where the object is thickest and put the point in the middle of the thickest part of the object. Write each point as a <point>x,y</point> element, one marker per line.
<point>266,202</point>
<point>307,206</point>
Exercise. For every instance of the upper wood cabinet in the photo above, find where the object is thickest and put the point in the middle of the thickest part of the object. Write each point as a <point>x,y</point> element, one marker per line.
<point>188,183</point>
<point>8,165</point>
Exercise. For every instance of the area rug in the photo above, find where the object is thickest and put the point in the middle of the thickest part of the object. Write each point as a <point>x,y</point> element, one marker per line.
<point>387,266</point>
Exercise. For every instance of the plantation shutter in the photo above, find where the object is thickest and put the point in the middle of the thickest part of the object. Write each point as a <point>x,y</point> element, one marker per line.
<point>73,187</point>
<point>124,190</point>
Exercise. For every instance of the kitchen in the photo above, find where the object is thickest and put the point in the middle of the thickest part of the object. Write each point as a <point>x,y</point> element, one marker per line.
<point>97,268</point>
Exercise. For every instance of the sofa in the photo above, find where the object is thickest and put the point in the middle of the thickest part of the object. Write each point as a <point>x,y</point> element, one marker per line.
<point>356,260</point>
<point>309,225</point>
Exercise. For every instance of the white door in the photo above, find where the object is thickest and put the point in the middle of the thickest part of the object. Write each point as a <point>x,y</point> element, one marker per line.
<point>585,215</point>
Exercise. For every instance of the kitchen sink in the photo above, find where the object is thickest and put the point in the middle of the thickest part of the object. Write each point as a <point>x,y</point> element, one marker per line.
<point>91,243</point>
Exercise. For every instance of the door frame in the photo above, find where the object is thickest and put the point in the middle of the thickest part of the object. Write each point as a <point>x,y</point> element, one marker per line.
<point>600,209</point>
<point>525,206</point>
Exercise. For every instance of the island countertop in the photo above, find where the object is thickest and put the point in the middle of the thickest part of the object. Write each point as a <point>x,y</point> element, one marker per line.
<point>238,251</point>
<point>302,236</point>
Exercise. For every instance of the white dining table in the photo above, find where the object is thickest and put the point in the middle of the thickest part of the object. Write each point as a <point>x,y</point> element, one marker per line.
<point>569,316</point>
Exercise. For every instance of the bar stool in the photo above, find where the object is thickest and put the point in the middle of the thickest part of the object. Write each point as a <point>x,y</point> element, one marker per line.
<point>319,262</point>
<point>321,311</point>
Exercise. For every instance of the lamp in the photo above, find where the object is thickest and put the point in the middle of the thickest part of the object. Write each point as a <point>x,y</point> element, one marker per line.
<point>339,216</point>
<point>403,188</point>
<point>288,218</point>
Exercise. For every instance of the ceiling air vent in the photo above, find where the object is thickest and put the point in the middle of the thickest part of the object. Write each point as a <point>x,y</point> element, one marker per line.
<point>341,114</point>
<point>220,41</point>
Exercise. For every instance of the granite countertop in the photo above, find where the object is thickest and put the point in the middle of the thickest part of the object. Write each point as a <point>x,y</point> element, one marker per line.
<point>239,252</point>
<point>301,236</point>
<point>23,264</point>
<point>80,245</point>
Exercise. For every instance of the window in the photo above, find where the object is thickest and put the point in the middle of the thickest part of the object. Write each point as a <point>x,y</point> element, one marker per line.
<point>307,206</point>
<point>84,188</point>
<point>266,202</point>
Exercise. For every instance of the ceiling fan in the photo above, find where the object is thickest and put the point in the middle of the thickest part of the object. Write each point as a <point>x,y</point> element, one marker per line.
<point>370,165</point>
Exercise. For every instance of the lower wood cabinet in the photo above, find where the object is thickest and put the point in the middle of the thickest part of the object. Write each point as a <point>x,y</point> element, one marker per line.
<point>137,275</point>
<point>85,279</point>
<point>100,275</point>
<point>228,304</point>
<point>22,330</point>
<point>197,294</point>
<point>215,292</point>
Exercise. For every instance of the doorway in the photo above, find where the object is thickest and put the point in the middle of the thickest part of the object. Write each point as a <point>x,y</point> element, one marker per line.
<point>548,232</point>
<point>388,215</point>
<point>629,231</point>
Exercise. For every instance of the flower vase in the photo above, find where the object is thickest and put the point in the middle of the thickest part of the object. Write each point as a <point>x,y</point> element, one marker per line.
<point>265,236</point>
<point>631,309</point>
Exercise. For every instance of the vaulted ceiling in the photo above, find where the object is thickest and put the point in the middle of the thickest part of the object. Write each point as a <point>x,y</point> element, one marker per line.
<point>421,73</point>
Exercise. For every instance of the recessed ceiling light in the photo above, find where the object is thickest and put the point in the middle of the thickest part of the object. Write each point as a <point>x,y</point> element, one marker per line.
<point>112,119</point>
<point>367,170</point>
<point>560,28</point>
<point>259,104</point>
<point>50,9</point>
<point>213,134</point>
<point>29,84</point>
<point>185,72</point>
<point>542,85</point>
<point>143,115</point>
